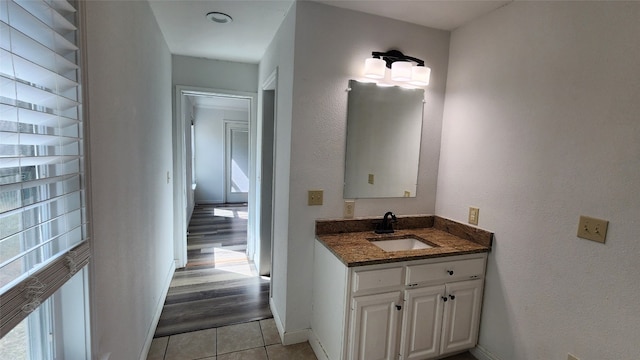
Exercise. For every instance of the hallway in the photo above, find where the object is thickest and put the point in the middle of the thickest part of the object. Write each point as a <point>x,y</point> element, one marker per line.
<point>217,307</point>
<point>219,286</point>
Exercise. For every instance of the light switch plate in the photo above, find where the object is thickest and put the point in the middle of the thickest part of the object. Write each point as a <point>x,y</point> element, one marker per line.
<point>473,215</point>
<point>592,229</point>
<point>315,197</point>
<point>349,209</point>
<point>371,178</point>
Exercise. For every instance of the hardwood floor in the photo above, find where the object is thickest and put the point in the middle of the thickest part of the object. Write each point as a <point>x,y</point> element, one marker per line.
<point>218,286</point>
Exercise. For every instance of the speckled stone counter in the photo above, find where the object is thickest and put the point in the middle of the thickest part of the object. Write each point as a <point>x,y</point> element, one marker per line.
<point>349,239</point>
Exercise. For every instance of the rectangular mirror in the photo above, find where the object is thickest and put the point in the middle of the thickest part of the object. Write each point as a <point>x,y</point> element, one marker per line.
<point>384,130</point>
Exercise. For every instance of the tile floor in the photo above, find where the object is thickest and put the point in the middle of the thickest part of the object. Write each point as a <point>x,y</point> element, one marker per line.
<point>257,340</point>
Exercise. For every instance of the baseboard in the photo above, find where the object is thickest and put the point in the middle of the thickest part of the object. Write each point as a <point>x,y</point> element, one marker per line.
<point>295,337</point>
<point>276,319</point>
<point>209,202</point>
<point>482,354</point>
<point>159,306</point>
<point>290,337</point>
<point>316,346</point>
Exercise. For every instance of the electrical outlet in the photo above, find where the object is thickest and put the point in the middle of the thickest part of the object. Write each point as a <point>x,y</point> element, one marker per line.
<point>571,357</point>
<point>473,215</point>
<point>315,197</point>
<point>349,209</point>
<point>592,229</point>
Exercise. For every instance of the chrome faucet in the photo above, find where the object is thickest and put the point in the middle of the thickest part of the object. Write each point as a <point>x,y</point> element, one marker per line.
<point>386,226</point>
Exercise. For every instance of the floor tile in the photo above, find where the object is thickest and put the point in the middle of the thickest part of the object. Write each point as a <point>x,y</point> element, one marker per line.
<point>300,351</point>
<point>192,345</point>
<point>269,332</point>
<point>239,337</point>
<point>158,348</point>
<point>251,354</point>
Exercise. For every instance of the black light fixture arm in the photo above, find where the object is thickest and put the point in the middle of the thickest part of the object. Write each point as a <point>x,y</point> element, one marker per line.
<point>392,56</point>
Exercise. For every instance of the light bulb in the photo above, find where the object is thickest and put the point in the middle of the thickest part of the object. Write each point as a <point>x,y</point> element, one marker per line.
<point>374,68</point>
<point>420,75</point>
<point>401,71</point>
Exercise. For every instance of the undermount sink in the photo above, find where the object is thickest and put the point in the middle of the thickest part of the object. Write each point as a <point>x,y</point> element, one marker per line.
<point>401,244</point>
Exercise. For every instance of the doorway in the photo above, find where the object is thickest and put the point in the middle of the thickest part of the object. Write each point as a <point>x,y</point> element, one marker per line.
<point>236,156</point>
<point>214,131</point>
<point>229,139</point>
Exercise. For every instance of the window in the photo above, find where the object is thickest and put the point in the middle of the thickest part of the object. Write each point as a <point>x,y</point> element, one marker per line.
<point>43,226</point>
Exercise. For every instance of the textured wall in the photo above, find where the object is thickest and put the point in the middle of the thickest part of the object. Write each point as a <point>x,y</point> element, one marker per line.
<point>130,138</point>
<point>279,56</point>
<point>210,152</point>
<point>540,126</point>
<point>216,74</point>
<point>330,47</point>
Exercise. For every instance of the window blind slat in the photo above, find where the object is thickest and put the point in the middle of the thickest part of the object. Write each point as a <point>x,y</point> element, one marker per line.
<point>27,117</point>
<point>17,68</point>
<point>61,6</point>
<point>38,236</point>
<point>42,209</point>
<point>48,279</point>
<point>28,48</point>
<point>33,27</point>
<point>36,214</point>
<point>47,15</point>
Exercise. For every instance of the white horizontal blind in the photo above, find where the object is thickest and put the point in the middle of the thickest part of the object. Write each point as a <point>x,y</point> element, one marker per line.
<point>42,206</point>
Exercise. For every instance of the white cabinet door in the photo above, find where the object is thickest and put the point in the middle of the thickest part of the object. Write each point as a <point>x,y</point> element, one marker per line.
<point>374,325</point>
<point>461,315</point>
<point>422,322</point>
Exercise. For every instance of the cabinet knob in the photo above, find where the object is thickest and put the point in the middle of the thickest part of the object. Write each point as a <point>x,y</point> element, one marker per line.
<point>450,272</point>
<point>452,297</point>
<point>398,307</point>
<point>444,298</point>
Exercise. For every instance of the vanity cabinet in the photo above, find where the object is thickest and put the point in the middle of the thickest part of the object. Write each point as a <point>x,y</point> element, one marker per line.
<point>421,309</point>
<point>374,326</point>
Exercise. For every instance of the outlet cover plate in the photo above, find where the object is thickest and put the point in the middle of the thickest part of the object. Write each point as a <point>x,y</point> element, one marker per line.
<point>349,209</point>
<point>473,215</point>
<point>315,197</point>
<point>592,229</point>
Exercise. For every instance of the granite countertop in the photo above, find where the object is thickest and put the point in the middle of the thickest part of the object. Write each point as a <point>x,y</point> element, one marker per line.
<point>349,239</point>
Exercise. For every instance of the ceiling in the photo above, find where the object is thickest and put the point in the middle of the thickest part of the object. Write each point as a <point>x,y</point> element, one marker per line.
<point>255,22</point>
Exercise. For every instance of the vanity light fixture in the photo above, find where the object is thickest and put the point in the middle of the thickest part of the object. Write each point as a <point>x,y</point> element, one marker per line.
<point>218,17</point>
<point>401,65</point>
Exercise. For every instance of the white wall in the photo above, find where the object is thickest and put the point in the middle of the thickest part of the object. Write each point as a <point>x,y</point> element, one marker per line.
<point>129,84</point>
<point>279,55</point>
<point>330,47</point>
<point>210,151</point>
<point>221,75</point>
<point>216,74</point>
<point>540,126</point>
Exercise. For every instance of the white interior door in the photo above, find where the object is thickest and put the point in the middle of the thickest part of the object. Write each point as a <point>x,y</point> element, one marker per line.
<point>237,162</point>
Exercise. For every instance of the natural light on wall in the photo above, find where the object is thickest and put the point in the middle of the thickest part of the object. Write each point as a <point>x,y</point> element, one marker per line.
<point>43,222</point>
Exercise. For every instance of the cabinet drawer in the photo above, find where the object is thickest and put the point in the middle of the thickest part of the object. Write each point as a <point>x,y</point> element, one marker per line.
<point>445,271</point>
<point>373,279</point>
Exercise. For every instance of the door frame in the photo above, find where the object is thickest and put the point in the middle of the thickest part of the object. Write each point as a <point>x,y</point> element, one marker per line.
<point>181,213</point>
<point>229,127</point>
<point>266,222</point>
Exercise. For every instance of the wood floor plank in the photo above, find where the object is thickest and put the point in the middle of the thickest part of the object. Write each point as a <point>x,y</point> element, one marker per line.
<point>218,287</point>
